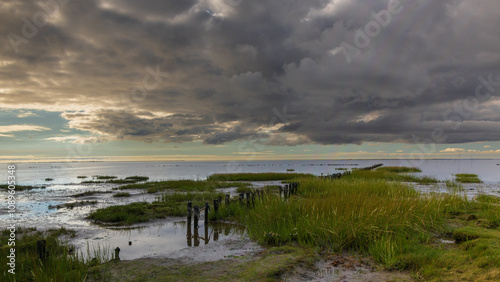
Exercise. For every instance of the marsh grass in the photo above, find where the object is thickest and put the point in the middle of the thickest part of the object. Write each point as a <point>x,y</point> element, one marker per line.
<point>61,264</point>
<point>113,180</point>
<point>89,193</point>
<point>467,178</point>
<point>122,195</point>
<point>184,185</point>
<point>165,205</point>
<point>21,187</point>
<point>73,205</point>
<point>103,177</point>
<point>270,176</point>
<point>400,169</point>
<point>374,213</point>
<point>392,176</point>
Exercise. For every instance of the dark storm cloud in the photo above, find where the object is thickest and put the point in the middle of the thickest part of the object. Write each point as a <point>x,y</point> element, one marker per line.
<point>204,70</point>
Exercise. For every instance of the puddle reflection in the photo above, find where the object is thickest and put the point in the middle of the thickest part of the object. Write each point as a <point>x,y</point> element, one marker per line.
<point>161,239</point>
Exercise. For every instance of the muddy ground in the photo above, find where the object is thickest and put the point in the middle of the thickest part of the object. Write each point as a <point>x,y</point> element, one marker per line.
<point>244,260</point>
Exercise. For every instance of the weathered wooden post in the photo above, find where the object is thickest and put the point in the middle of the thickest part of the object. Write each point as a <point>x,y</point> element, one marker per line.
<point>220,200</point>
<point>227,200</point>
<point>207,209</point>
<point>216,206</point>
<point>189,234</point>
<point>281,190</point>
<point>117,254</point>
<point>248,199</point>
<point>41,249</point>
<point>196,237</point>
<point>189,209</point>
<point>241,198</point>
<point>196,217</point>
<point>216,233</point>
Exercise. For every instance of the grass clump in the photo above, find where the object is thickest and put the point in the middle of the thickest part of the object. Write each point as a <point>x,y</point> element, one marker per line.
<point>20,187</point>
<point>391,176</point>
<point>103,177</point>
<point>400,169</point>
<point>165,205</point>
<point>89,193</point>
<point>73,205</point>
<point>467,178</point>
<point>61,264</point>
<point>81,177</point>
<point>121,195</point>
<point>269,176</point>
<point>183,185</point>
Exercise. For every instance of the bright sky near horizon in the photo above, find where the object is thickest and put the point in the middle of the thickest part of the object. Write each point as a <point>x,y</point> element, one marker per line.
<point>249,79</point>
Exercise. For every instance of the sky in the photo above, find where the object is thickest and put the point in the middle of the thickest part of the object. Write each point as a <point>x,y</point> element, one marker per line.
<point>146,80</point>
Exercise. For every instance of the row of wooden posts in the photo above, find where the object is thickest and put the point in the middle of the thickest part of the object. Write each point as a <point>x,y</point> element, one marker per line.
<point>247,199</point>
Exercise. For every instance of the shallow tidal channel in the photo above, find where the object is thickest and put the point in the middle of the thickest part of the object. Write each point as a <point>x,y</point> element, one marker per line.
<point>37,208</point>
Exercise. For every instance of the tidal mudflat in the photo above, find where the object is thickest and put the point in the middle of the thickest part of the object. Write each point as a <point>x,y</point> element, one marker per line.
<point>390,223</point>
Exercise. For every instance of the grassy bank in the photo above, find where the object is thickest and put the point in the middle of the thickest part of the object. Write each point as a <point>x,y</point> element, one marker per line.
<point>375,214</point>
<point>21,187</point>
<point>183,185</point>
<point>467,178</point>
<point>271,176</point>
<point>381,174</point>
<point>165,205</point>
<point>399,169</point>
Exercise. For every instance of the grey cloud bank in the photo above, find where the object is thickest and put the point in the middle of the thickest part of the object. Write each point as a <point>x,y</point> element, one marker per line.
<point>225,65</point>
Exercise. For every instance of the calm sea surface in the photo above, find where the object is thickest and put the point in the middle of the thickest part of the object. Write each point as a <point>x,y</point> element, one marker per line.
<point>66,173</point>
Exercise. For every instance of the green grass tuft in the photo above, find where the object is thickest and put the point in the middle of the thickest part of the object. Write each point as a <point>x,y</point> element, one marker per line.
<point>400,169</point>
<point>467,178</point>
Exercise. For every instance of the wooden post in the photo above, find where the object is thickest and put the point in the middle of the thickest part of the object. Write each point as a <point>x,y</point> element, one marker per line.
<point>248,199</point>
<point>281,189</point>
<point>220,200</point>
<point>189,234</point>
<point>117,254</point>
<point>207,209</point>
<point>216,205</point>
<point>253,199</point>
<point>227,200</point>
<point>196,217</point>
<point>41,249</point>
<point>196,236</point>
<point>190,209</point>
<point>241,198</point>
